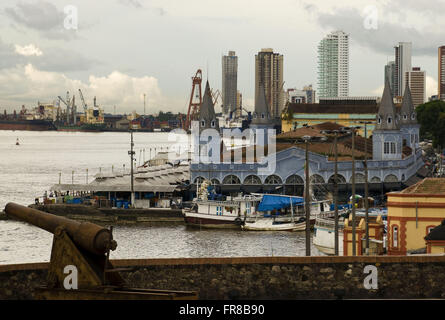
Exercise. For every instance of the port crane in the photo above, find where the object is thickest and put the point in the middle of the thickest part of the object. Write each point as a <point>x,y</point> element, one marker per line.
<point>67,105</point>
<point>195,99</point>
<point>70,108</point>
<point>85,107</point>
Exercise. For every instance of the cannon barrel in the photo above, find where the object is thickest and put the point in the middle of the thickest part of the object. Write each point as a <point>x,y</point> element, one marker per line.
<point>89,236</point>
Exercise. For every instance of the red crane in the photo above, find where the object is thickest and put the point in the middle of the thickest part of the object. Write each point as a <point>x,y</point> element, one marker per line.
<point>194,104</point>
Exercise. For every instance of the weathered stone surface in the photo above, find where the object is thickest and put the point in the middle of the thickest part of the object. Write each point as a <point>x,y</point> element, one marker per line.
<point>264,281</point>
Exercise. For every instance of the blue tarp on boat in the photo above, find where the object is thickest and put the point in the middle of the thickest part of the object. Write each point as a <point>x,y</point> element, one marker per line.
<point>270,202</point>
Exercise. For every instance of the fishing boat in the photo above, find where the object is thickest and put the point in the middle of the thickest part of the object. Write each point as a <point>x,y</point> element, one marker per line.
<point>210,211</point>
<point>269,215</point>
<point>283,213</point>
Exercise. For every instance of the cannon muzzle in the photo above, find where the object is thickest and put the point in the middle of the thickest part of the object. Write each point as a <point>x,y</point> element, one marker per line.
<point>89,236</point>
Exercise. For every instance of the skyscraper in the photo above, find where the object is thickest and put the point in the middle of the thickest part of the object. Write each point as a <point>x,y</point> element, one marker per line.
<point>333,65</point>
<point>403,65</point>
<point>441,75</point>
<point>415,79</point>
<point>269,73</point>
<point>390,74</point>
<point>229,81</point>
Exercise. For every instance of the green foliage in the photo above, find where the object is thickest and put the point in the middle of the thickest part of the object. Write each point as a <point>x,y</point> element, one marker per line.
<point>431,117</point>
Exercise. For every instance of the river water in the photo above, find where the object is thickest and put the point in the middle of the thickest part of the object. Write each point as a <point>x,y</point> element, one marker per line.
<point>29,169</point>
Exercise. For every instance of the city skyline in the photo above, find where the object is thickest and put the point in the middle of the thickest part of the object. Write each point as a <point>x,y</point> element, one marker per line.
<point>41,60</point>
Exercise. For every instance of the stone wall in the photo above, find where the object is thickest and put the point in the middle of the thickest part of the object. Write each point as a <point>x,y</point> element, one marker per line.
<point>264,277</point>
<point>107,215</point>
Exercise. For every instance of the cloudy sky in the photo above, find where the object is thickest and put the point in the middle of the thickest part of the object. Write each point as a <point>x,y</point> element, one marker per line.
<point>122,49</point>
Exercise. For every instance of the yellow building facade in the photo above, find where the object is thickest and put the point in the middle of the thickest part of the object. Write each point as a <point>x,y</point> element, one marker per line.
<point>298,114</point>
<point>375,227</point>
<point>413,213</point>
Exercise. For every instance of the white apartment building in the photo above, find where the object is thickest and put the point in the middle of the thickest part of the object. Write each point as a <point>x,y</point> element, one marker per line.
<point>333,65</point>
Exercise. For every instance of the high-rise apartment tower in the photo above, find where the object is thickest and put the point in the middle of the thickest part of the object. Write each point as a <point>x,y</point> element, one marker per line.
<point>333,65</point>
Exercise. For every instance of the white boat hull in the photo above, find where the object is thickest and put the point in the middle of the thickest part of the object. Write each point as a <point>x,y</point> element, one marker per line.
<point>324,240</point>
<point>269,225</point>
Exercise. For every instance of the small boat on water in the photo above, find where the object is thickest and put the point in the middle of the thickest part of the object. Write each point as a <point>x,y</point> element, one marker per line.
<point>324,228</point>
<point>268,224</point>
<point>210,211</point>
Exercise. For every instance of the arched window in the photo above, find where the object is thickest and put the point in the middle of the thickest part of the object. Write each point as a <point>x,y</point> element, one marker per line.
<point>213,123</point>
<point>359,178</point>
<point>273,179</point>
<point>389,120</point>
<point>199,180</point>
<point>391,178</point>
<point>379,120</point>
<point>262,116</point>
<point>252,180</point>
<point>203,123</point>
<point>413,116</point>
<point>215,182</point>
<point>231,179</point>
<point>340,179</point>
<point>294,179</point>
<point>405,116</point>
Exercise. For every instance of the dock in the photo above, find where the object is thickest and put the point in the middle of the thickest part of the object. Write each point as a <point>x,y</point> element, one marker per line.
<point>88,213</point>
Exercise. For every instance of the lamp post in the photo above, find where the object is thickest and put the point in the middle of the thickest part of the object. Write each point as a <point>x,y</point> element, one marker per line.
<point>336,245</point>
<point>354,251</point>
<point>354,244</point>
<point>306,199</point>
<point>366,187</point>
<point>131,153</point>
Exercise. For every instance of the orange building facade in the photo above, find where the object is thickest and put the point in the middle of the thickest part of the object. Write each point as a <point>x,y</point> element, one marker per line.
<point>413,213</point>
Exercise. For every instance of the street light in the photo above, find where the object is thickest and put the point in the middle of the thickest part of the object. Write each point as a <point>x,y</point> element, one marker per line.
<point>354,244</point>
<point>306,199</point>
<point>131,153</point>
<point>366,186</point>
<point>335,132</point>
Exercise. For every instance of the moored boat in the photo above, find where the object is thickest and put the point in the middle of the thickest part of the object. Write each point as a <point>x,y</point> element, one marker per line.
<point>228,213</point>
<point>324,228</point>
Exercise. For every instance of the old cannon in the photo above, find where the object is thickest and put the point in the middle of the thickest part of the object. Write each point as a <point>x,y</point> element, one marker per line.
<point>79,266</point>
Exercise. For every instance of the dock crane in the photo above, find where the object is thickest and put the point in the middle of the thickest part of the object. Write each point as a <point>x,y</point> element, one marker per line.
<point>195,101</point>
<point>85,107</point>
<point>67,106</point>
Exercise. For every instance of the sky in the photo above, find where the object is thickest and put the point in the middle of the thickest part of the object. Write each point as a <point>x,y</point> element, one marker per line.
<point>119,50</point>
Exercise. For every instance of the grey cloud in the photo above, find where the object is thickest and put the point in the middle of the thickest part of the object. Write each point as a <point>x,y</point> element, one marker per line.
<point>131,3</point>
<point>41,16</point>
<point>52,59</point>
<point>139,5</point>
<point>385,37</point>
<point>62,60</point>
<point>8,57</point>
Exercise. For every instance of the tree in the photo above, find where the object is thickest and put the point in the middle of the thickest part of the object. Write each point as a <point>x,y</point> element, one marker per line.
<point>431,117</point>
